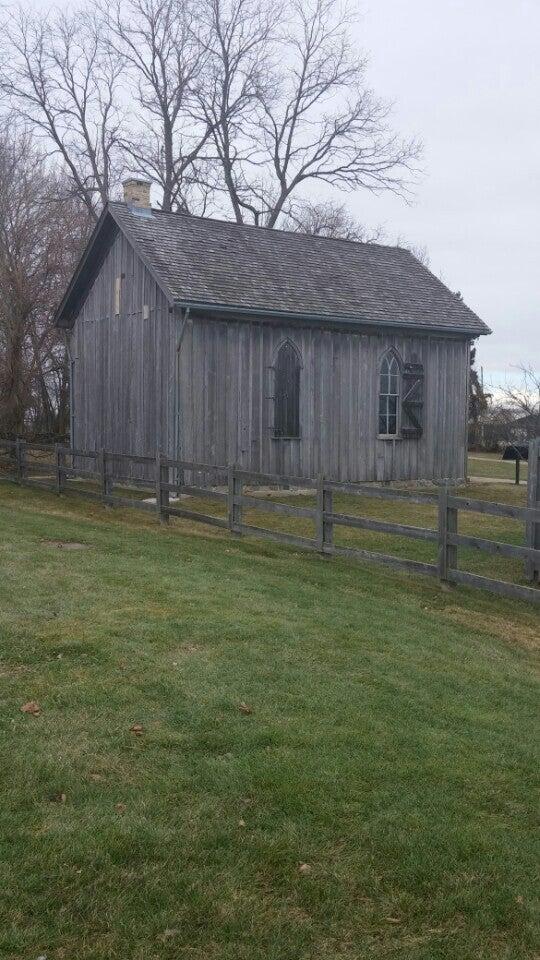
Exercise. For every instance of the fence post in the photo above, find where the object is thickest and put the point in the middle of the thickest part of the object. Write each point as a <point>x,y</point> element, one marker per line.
<point>102,464</point>
<point>162,496</point>
<point>325,527</point>
<point>235,487</point>
<point>20,453</point>
<point>448,523</point>
<point>532,528</point>
<point>59,458</point>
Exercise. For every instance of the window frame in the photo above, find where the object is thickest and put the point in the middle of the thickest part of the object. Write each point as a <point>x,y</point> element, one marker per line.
<point>291,346</point>
<point>389,358</point>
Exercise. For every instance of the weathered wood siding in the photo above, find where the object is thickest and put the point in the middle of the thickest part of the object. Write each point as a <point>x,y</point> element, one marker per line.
<point>124,365</point>
<point>213,401</point>
<point>226,391</point>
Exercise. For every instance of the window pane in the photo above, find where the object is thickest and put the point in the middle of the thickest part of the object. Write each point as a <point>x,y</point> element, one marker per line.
<point>287,393</point>
<point>389,391</point>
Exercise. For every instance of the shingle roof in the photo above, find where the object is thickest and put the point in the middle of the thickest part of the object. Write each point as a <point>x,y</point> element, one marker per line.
<point>218,263</point>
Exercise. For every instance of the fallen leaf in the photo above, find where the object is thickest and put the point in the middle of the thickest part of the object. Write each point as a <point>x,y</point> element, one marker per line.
<point>241,823</point>
<point>168,934</point>
<point>120,807</point>
<point>31,707</point>
<point>305,868</point>
<point>137,729</point>
<point>58,798</point>
<point>245,708</point>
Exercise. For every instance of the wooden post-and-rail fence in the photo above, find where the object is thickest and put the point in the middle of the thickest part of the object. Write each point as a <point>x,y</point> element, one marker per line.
<point>55,466</point>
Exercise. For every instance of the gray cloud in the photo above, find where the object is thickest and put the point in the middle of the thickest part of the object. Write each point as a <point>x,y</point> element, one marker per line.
<point>465,78</point>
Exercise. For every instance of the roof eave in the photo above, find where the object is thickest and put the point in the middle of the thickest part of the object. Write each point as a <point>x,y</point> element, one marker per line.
<point>64,318</point>
<point>59,318</point>
<point>222,308</point>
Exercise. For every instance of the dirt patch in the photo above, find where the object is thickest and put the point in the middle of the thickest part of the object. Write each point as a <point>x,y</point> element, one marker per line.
<point>519,633</point>
<point>66,544</point>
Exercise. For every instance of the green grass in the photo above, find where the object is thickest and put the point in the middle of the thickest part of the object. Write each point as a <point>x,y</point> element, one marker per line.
<point>491,466</point>
<point>391,748</point>
<point>399,511</point>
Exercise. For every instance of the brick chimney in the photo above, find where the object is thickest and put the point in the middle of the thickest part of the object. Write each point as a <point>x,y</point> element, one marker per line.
<point>137,192</point>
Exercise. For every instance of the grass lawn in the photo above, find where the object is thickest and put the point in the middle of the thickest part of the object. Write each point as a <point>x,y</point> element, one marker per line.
<point>491,465</point>
<point>375,799</point>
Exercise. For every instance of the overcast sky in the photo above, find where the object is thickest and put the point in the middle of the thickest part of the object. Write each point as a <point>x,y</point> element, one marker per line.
<point>465,77</point>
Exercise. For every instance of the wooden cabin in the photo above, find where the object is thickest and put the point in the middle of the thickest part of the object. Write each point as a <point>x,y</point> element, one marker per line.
<point>286,353</point>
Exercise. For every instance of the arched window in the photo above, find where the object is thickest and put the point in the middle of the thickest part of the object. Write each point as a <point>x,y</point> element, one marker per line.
<point>287,391</point>
<point>389,382</point>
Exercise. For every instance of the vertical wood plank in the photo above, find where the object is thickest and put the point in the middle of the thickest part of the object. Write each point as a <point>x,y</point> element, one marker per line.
<point>532,534</point>
<point>102,467</point>
<point>162,496</point>
<point>324,525</point>
<point>319,522</point>
<point>20,452</point>
<point>448,523</point>
<point>60,462</point>
<point>235,486</point>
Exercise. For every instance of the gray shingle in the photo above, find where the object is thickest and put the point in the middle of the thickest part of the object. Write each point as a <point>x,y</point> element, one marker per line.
<point>225,264</point>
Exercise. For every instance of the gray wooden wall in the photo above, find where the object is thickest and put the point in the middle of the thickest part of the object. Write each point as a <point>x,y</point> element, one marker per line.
<point>226,389</point>
<point>124,369</point>
<point>213,402</point>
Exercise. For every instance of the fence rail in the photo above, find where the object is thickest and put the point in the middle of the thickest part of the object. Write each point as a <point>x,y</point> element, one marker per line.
<point>56,473</point>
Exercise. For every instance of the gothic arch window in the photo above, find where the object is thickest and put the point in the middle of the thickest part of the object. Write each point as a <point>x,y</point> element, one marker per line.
<point>287,391</point>
<point>389,394</point>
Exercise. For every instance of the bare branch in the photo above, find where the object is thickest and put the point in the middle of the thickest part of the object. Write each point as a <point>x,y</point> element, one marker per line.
<point>328,219</point>
<point>41,235</point>
<point>158,41</point>
<point>63,83</point>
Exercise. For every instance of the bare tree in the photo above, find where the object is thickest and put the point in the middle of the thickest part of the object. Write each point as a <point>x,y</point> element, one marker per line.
<point>40,238</point>
<point>160,44</point>
<point>290,106</point>
<point>241,104</point>
<point>328,219</point>
<point>63,83</point>
<point>522,400</point>
<point>238,36</point>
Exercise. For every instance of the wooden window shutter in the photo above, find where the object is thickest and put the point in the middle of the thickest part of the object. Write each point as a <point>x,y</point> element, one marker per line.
<point>412,401</point>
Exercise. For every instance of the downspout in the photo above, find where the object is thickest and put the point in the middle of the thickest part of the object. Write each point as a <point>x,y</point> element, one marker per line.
<point>182,324</point>
<point>467,400</point>
<point>71,363</point>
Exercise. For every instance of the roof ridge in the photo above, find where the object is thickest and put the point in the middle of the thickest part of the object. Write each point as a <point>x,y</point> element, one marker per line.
<point>194,260</point>
<point>273,230</point>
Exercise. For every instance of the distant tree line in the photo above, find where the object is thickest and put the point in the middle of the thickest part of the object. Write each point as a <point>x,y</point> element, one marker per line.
<point>506,414</point>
